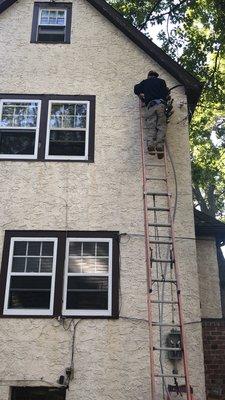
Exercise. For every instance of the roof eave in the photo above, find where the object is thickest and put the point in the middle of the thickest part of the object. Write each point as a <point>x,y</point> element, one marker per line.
<point>193,87</point>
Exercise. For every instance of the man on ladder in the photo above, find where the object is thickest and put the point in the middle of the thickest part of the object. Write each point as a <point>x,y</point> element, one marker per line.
<point>154,92</point>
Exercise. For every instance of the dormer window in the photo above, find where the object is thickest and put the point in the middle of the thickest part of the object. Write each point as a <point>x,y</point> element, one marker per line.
<point>51,23</point>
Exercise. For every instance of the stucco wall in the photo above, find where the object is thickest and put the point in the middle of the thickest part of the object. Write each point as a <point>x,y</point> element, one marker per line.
<point>111,357</point>
<point>208,278</point>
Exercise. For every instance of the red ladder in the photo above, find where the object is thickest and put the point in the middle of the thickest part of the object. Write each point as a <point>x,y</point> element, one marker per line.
<point>163,281</point>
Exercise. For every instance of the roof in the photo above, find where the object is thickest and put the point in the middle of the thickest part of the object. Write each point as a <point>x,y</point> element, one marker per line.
<point>205,225</point>
<point>192,85</point>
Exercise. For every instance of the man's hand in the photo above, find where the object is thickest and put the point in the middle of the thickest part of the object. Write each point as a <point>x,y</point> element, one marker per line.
<point>142,97</point>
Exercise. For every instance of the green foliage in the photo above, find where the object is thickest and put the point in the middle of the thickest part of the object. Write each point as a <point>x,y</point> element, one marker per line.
<point>192,32</point>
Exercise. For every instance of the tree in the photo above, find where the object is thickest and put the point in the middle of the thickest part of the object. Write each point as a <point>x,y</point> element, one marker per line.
<point>195,37</point>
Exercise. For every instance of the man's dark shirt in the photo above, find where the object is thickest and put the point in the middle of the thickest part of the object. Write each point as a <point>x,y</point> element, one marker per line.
<point>153,88</point>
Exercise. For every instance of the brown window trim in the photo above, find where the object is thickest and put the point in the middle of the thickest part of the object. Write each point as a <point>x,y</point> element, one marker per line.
<point>45,98</point>
<point>58,293</point>
<point>37,6</point>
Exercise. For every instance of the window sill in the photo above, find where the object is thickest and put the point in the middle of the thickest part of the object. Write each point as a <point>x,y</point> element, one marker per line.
<point>47,160</point>
<point>38,42</point>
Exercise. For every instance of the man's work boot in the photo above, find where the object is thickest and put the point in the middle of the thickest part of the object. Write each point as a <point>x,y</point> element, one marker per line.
<point>160,152</point>
<point>151,150</point>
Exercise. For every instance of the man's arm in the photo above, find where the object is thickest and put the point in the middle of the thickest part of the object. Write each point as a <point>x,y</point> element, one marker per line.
<point>139,89</point>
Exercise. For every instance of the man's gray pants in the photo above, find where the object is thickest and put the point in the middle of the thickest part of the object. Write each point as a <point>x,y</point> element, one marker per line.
<point>156,125</point>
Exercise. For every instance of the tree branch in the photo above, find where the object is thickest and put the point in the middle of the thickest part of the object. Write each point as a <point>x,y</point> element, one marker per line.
<point>150,13</point>
<point>200,199</point>
<point>171,10</point>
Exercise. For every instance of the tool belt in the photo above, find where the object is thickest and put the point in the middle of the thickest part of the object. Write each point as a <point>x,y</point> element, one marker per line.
<point>155,102</point>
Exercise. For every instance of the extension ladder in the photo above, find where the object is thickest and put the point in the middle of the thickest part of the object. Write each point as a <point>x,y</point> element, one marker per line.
<point>163,283</point>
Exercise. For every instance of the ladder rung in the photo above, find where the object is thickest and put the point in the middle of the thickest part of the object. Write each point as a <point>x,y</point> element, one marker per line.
<point>165,324</point>
<point>167,348</point>
<point>158,209</point>
<point>155,179</point>
<point>164,302</point>
<point>157,194</point>
<point>169,376</point>
<point>160,242</point>
<point>162,260</point>
<point>160,225</point>
<point>164,281</point>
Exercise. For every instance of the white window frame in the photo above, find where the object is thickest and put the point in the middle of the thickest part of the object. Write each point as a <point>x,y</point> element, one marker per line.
<point>86,130</point>
<point>31,311</point>
<point>52,9</point>
<point>91,312</point>
<point>23,156</point>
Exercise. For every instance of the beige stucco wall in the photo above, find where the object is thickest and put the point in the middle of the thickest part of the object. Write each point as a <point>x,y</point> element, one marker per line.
<point>111,357</point>
<point>208,278</point>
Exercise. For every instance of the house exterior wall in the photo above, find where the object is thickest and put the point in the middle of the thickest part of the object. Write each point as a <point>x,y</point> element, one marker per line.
<point>111,356</point>
<point>208,278</point>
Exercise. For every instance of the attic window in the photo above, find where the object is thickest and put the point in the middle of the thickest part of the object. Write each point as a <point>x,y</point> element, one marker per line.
<point>51,23</point>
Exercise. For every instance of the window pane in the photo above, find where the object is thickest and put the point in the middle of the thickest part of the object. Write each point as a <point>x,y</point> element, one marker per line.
<point>102,265</point>
<point>87,293</point>
<point>75,265</point>
<point>75,248</point>
<point>102,249</point>
<point>17,142</point>
<point>81,109</point>
<point>32,264</point>
<point>18,264</point>
<point>20,248</point>
<point>53,17</point>
<point>29,292</point>
<point>61,18</point>
<point>89,248</point>
<point>47,248</point>
<point>80,122</point>
<point>67,143</point>
<point>88,266</point>
<point>46,264</point>
<point>34,248</point>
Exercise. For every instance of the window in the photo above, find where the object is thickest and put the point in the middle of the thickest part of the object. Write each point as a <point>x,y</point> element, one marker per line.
<point>45,127</point>
<point>67,134</point>
<point>33,281</point>
<point>31,276</point>
<point>88,272</point>
<point>35,393</point>
<point>51,23</point>
<point>19,128</point>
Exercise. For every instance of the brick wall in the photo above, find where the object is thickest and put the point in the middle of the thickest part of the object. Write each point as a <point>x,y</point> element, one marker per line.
<point>214,355</point>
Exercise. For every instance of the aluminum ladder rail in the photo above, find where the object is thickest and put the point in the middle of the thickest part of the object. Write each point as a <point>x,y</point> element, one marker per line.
<point>150,267</point>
